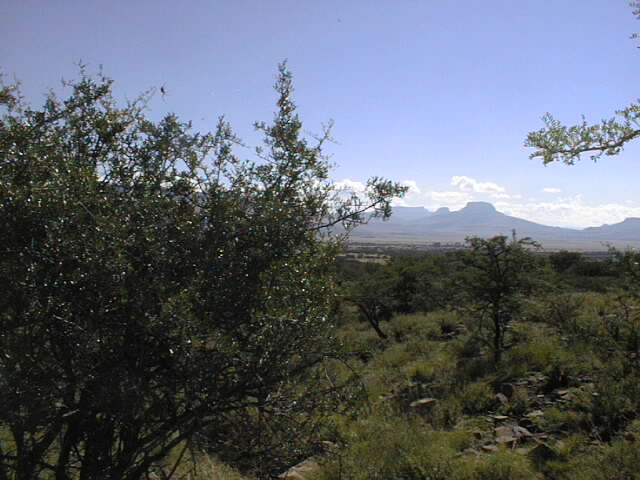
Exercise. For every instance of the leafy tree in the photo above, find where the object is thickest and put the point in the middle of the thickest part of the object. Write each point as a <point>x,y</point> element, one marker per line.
<point>564,260</point>
<point>558,142</point>
<point>437,279</point>
<point>407,284</point>
<point>382,290</point>
<point>156,286</point>
<point>622,319</point>
<point>500,273</point>
<point>627,265</point>
<point>373,296</point>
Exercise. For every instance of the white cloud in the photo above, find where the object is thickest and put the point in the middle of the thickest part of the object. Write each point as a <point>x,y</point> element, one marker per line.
<point>469,190</point>
<point>452,200</point>
<point>413,197</point>
<point>551,190</point>
<point>413,186</point>
<point>348,185</point>
<point>416,197</point>
<point>467,184</point>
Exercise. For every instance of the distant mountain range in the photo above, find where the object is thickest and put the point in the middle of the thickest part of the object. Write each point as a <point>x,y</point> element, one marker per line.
<point>417,225</point>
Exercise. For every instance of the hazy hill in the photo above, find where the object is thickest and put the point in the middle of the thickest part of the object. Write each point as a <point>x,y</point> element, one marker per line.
<point>628,229</point>
<point>419,225</point>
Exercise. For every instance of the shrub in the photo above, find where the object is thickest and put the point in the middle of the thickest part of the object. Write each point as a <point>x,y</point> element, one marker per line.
<point>502,465</point>
<point>616,461</point>
<point>542,355</point>
<point>414,327</point>
<point>477,398</point>
<point>564,311</point>
<point>446,413</point>
<point>564,420</point>
<point>381,447</point>
<point>616,400</point>
<point>422,372</point>
<point>156,286</point>
<point>519,403</point>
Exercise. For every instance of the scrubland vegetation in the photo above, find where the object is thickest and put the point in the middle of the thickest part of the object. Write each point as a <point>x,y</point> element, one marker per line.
<point>429,398</point>
<point>560,401</point>
<point>171,309</point>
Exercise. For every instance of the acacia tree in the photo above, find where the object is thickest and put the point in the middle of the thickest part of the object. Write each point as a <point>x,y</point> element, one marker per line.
<point>568,143</point>
<point>500,273</point>
<point>156,286</point>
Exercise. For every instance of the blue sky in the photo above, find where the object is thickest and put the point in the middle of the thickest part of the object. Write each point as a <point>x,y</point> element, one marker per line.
<point>437,94</point>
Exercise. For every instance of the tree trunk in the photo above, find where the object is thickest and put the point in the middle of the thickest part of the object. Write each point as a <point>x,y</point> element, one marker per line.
<point>497,340</point>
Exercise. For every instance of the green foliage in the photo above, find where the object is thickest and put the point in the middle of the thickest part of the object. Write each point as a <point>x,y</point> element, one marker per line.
<point>591,268</point>
<point>502,465</point>
<point>543,355</point>
<point>563,260</point>
<point>579,273</point>
<point>374,296</point>
<point>569,374</point>
<point>428,279</point>
<point>519,404</point>
<point>405,285</point>
<point>208,468</point>
<point>566,420</point>
<point>620,460</point>
<point>561,143</point>
<point>615,461</point>
<point>184,462</point>
<point>616,400</point>
<point>418,326</point>
<point>422,372</point>
<point>477,397</point>
<point>360,340</point>
<point>385,447</point>
<point>156,286</point>
<point>564,311</point>
<point>558,142</point>
<point>386,369</point>
<point>500,273</point>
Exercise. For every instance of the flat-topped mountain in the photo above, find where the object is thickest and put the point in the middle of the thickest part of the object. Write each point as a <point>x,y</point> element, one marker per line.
<point>419,225</point>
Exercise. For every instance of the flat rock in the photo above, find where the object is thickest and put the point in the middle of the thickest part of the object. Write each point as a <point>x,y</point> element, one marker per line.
<point>489,448</point>
<point>423,402</point>
<point>520,432</point>
<point>499,418</point>
<point>508,439</point>
<point>535,414</point>
<point>302,470</point>
<point>511,434</point>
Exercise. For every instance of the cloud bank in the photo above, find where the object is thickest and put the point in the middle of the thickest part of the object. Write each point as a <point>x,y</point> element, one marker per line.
<point>467,184</point>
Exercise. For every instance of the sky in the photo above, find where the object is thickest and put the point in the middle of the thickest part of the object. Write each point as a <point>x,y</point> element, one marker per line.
<point>439,95</point>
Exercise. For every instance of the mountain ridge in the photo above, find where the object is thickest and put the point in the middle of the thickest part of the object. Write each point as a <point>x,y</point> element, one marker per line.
<point>419,225</point>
